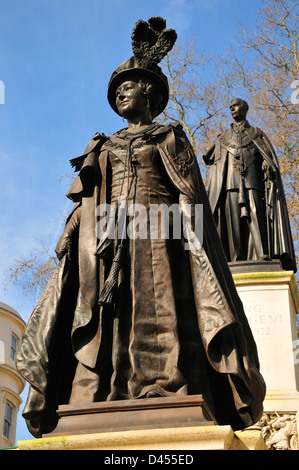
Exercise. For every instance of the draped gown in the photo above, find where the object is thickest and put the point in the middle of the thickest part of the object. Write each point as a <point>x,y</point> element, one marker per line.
<point>153,346</point>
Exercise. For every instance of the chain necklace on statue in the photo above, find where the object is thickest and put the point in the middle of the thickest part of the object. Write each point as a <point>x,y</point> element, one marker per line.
<point>125,134</point>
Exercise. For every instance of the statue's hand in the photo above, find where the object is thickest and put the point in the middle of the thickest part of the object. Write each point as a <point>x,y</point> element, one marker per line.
<point>64,246</point>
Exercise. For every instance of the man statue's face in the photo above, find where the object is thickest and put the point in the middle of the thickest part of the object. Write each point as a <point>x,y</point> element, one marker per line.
<point>238,110</point>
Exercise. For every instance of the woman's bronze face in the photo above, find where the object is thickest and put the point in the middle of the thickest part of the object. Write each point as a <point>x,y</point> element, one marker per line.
<point>130,101</point>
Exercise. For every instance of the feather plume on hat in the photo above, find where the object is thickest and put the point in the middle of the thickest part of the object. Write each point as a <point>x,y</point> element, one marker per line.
<point>151,42</point>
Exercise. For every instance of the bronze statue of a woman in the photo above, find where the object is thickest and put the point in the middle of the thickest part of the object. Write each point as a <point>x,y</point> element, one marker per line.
<point>132,317</point>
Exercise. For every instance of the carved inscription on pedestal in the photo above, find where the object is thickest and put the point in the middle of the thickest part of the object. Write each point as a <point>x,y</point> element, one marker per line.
<point>262,324</point>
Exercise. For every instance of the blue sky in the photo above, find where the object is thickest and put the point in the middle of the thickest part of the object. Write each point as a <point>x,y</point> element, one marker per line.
<point>56,58</point>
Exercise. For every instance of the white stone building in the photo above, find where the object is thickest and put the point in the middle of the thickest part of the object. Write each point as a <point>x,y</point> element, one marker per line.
<point>11,383</point>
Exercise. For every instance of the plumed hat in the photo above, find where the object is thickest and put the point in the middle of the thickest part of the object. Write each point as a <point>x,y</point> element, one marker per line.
<point>151,41</point>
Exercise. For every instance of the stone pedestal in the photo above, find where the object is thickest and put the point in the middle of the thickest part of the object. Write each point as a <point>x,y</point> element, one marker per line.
<point>191,438</point>
<point>165,423</point>
<point>125,415</point>
<point>271,304</point>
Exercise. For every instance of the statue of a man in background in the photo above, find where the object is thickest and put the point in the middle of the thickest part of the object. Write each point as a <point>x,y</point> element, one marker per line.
<point>246,193</point>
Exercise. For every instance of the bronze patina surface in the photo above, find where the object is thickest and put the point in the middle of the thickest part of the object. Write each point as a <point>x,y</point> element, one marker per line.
<point>139,318</point>
<point>246,193</point>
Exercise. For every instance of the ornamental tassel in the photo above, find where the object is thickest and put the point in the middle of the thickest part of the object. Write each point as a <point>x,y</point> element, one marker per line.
<point>104,244</point>
<point>108,292</point>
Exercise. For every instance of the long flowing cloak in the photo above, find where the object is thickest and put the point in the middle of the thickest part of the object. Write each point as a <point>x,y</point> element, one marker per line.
<point>281,242</point>
<point>66,325</point>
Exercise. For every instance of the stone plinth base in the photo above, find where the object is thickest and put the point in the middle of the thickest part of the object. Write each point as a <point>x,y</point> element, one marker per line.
<point>271,303</point>
<point>126,415</point>
<point>270,298</point>
<point>255,266</point>
<point>184,438</point>
<point>281,401</point>
<point>162,423</point>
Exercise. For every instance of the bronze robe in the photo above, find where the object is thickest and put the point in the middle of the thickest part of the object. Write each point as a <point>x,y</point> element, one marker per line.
<point>272,218</point>
<point>178,324</point>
